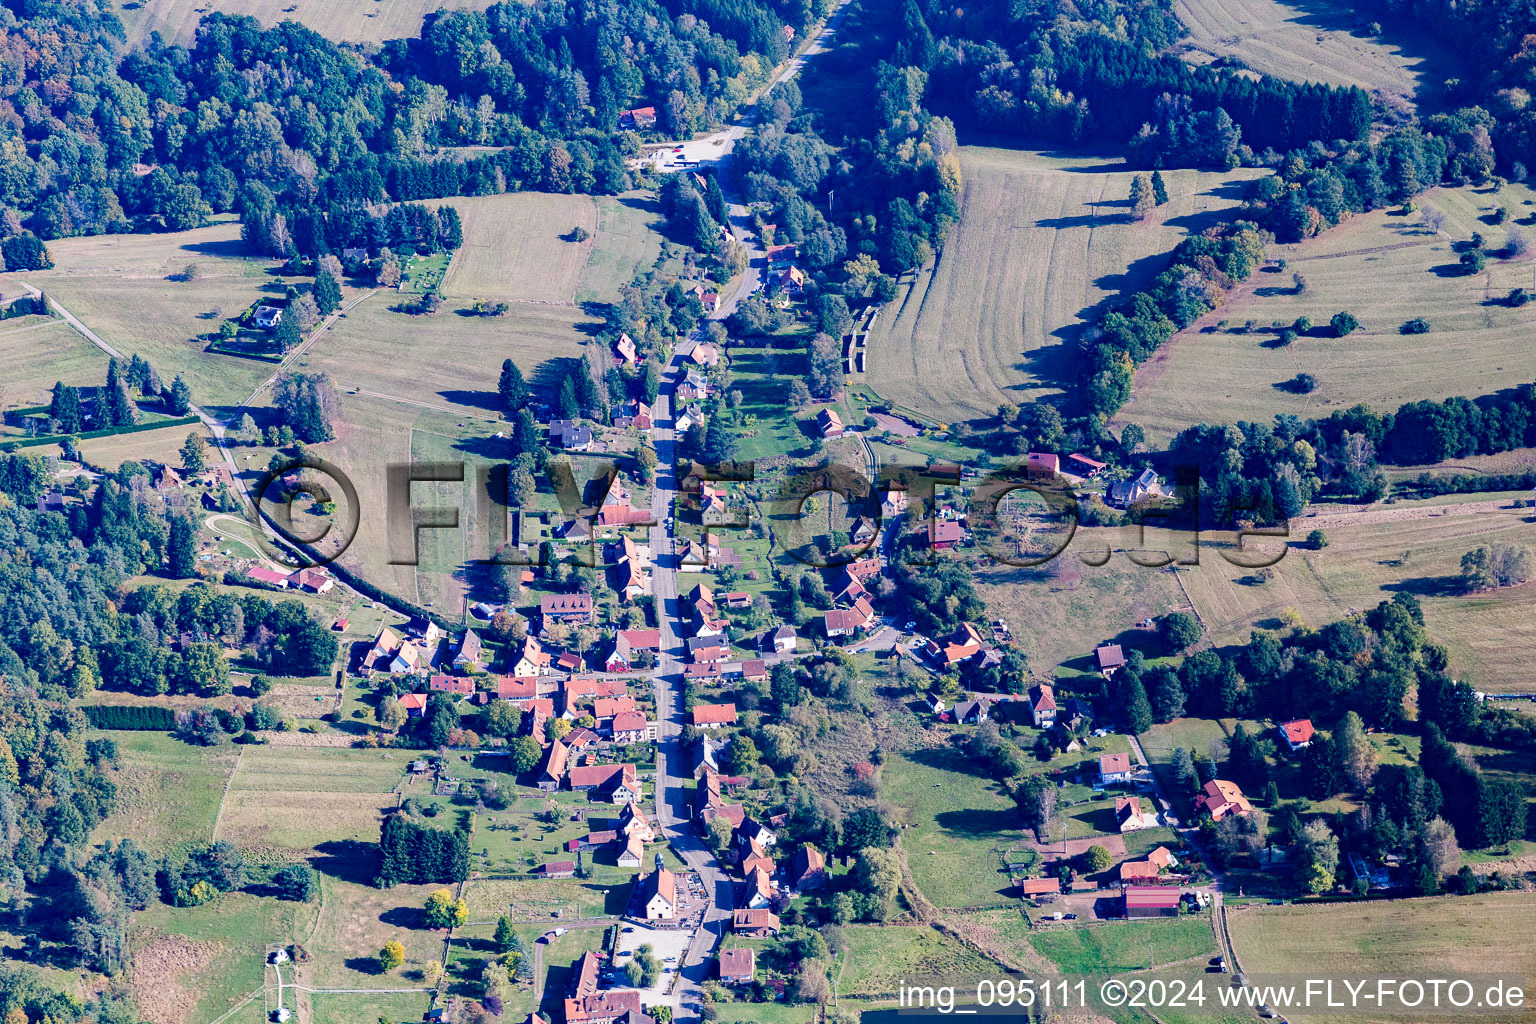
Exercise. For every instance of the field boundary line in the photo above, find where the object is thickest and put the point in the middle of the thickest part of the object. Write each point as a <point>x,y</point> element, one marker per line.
<point>219,817</point>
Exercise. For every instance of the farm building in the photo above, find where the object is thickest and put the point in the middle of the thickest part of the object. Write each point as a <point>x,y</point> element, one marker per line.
<point>1151,901</point>
<point>1029,887</point>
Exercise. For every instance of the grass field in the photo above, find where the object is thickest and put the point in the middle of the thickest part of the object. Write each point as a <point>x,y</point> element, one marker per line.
<point>627,240</point>
<point>288,803</point>
<point>168,793</point>
<point>1414,938</point>
<point>876,959</point>
<point>1043,238</point>
<point>1125,945</point>
<point>513,250</point>
<point>37,351</point>
<point>1311,41</point>
<point>1390,549</point>
<point>1386,269</point>
<point>367,21</point>
<point>112,451</point>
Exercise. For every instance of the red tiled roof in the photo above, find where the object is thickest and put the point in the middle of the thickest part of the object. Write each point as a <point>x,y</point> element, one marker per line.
<point>1299,731</point>
<point>714,714</point>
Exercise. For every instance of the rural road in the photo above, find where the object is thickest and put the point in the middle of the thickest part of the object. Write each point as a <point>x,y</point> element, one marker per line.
<point>673,764</point>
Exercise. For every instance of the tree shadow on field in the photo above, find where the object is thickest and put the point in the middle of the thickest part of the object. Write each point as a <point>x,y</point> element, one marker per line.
<point>1429,586</point>
<point>364,965</point>
<point>1084,220</point>
<point>348,860</point>
<point>489,401</point>
<point>231,248</point>
<point>971,821</point>
<point>404,917</point>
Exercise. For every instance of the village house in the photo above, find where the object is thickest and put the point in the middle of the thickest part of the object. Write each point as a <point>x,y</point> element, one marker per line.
<point>944,534</point>
<point>452,684</point>
<point>1114,768</point>
<point>385,644</point>
<point>961,646</point>
<point>1110,659</point>
<point>1220,798</point>
<point>634,414</point>
<point>1297,734</point>
<point>713,716</point>
<point>658,894</point>
<point>570,435</point>
<point>467,657</point>
<point>415,704</point>
<point>566,609</point>
<point>760,923</point>
<point>517,689</point>
<point>737,966</point>
<point>829,423</point>
<point>532,660</point>
<point>1042,705</point>
<point>613,783</point>
<point>1125,493</point>
<point>1042,465</point>
<point>624,350</point>
<point>1129,815</point>
<point>638,119</point>
<point>558,869</point>
<point>782,257</point>
<point>973,711</point>
<point>751,831</point>
<point>782,640</point>
<point>807,869</point>
<point>311,581</point>
<point>754,670</point>
<point>845,621</point>
<point>788,283</point>
<point>626,646</point>
<point>705,354</point>
<point>630,727</point>
<point>268,317</point>
<point>585,1004</point>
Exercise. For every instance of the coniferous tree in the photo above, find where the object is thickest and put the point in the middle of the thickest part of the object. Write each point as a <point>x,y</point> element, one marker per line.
<point>512,389</point>
<point>179,400</point>
<point>64,410</point>
<point>327,291</point>
<point>181,550</point>
<point>1159,190</point>
<point>118,408</point>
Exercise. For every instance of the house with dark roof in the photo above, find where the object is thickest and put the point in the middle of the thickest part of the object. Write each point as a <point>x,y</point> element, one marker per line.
<point>469,653</point>
<point>807,869</point>
<point>570,435</point>
<point>1110,659</point>
<point>567,609</point>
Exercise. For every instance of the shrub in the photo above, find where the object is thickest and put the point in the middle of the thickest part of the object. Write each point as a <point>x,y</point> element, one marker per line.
<point>1317,540</point>
<point>1303,384</point>
<point>1286,336</point>
<point>1344,323</point>
<point>1418,325</point>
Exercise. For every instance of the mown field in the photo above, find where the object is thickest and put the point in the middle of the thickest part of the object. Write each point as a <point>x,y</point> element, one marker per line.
<point>877,959</point>
<point>1384,267</point>
<point>1371,555</point>
<point>513,247</point>
<point>1310,41</point>
<point>120,287</point>
<point>290,802</point>
<point>36,352</point>
<point>1414,938</point>
<point>1125,945</point>
<point>364,21</point>
<point>1043,238</point>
